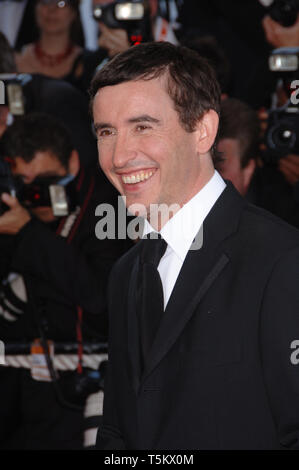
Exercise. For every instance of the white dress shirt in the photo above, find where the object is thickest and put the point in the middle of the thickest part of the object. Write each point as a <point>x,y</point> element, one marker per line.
<point>180,231</point>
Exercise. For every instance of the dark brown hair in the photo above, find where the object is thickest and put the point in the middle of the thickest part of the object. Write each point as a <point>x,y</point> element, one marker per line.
<point>36,132</point>
<point>7,61</point>
<point>76,30</point>
<point>190,81</point>
<point>239,121</point>
<point>208,47</point>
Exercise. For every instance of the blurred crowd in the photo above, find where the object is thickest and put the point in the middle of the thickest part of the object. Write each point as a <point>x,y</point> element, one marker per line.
<point>54,269</point>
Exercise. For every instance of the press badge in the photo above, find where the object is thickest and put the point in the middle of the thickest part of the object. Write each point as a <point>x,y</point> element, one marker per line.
<point>39,368</point>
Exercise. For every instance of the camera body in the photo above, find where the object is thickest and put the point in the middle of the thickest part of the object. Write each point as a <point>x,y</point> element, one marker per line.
<point>284,11</point>
<point>133,17</point>
<point>14,97</point>
<point>282,133</point>
<point>56,192</point>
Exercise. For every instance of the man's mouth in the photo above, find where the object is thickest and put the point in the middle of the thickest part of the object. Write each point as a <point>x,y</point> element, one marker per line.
<point>137,177</point>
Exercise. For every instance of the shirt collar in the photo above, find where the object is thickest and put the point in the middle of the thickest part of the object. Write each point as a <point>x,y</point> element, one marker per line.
<point>180,231</point>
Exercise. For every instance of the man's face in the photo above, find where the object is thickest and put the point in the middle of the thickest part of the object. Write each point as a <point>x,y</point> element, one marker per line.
<point>143,149</point>
<point>44,164</point>
<point>230,168</point>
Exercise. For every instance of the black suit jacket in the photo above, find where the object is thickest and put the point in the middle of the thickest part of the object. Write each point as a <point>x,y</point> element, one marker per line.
<point>220,374</point>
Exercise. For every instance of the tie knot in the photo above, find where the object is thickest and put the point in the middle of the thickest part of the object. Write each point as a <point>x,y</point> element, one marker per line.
<point>152,249</point>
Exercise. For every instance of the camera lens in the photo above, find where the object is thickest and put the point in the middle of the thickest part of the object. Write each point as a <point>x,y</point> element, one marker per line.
<point>284,11</point>
<point>283,137</point>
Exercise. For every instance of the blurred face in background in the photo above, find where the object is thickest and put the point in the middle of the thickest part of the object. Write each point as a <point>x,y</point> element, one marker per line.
<point>231,168</point>
<point>54,16</point>
<point>44,164</point>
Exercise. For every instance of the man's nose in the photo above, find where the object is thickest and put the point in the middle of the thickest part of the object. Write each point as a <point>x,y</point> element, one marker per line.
<point>124,151</point>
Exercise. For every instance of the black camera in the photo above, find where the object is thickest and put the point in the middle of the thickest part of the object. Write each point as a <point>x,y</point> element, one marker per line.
<point>284,11</point>
<point>133,17</point>
<point>12,92</point>
<point>282,133</point>
<point>56,192</point>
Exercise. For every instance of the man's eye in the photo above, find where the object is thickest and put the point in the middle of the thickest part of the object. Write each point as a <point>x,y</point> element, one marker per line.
<point>104,133</point>
<point>142,127</point>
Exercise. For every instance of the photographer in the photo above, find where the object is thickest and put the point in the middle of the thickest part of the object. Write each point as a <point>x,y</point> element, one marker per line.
<point>54,272</point>
<point>38,93</point>
<point>281,36</point>
<point>277,180</point>
<point>238,140</point>
<point>118,35</point>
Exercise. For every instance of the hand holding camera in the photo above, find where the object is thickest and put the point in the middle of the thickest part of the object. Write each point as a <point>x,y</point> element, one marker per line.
<point>15,218</point>
<point>114,41</point>
<point>280,36</point>
<point>123,24</point>
<point>281,24</point>
<point>289,167</point>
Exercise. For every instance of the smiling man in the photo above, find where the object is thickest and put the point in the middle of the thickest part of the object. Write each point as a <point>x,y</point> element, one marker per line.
<point>197,358</point>
<point>152,157</point>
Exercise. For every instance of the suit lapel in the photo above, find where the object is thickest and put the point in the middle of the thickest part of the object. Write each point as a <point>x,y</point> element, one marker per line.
<point>199,271</point>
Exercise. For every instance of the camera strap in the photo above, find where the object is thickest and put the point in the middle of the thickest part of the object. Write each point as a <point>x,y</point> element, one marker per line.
<point>67,229</point>
<point>69,224</point>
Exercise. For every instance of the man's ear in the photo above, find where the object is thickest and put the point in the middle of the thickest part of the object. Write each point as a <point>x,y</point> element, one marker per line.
<point>206,130</point>
<point>74,163</point>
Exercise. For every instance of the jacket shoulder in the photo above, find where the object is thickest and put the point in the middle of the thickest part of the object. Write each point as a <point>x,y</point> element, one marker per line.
<point>268,230</point>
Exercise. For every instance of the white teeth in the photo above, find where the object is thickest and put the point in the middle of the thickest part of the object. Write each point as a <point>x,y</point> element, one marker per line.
<point>137,178</point>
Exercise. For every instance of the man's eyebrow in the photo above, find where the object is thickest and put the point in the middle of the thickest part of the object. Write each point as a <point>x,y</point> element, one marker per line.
<point>144,118</point>
<point>101,125</point>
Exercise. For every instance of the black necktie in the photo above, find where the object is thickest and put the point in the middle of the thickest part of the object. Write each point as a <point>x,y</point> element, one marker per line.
<point>150,302</point>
